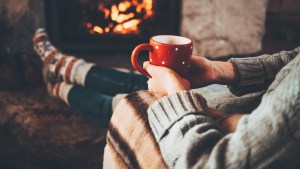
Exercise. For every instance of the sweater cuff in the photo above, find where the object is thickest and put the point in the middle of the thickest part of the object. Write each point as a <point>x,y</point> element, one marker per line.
<point>163,113</point>
<point>251,72</point>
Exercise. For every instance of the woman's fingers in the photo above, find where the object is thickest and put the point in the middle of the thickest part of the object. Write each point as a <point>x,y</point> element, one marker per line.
<point>151,69</point>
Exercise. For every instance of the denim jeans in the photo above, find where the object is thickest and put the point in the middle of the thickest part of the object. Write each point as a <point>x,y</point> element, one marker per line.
<point>94,101</point>
<point>112,82</point>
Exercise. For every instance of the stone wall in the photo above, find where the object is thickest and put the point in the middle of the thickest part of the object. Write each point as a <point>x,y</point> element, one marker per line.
<point>18,21</point>
<point>222,28</point>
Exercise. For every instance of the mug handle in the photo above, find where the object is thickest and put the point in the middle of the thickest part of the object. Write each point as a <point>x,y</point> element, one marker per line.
<point>134,58</point>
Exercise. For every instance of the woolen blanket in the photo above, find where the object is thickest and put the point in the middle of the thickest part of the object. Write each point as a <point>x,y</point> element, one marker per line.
<point>130,142</point>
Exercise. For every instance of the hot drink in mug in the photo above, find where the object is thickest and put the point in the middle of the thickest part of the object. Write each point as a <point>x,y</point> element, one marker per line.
<point>169,51</point>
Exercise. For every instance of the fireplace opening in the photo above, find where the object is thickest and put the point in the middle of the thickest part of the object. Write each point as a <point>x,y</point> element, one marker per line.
<point>101,26</point>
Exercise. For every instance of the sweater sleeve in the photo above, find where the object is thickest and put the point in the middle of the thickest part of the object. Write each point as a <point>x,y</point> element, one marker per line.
<point>189,138</point>
<point>256,73</point>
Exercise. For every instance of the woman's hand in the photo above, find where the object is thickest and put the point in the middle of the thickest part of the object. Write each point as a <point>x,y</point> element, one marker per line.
<point>226,122</point>
<point>164,80</point>
<point>228,125</point>
<point>204,72</point>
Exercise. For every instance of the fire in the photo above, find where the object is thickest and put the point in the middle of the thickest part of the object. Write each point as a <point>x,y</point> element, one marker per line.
<point>121,18</point>
<point>98,29</point>
<point>131,23</point>
<point>123,6</point>
<point>114,13</point>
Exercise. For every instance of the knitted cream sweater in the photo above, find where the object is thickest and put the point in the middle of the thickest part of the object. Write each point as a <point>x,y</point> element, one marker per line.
<point>269,137</point>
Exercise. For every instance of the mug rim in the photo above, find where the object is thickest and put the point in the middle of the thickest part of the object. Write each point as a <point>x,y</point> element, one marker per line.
<point>175,36</point>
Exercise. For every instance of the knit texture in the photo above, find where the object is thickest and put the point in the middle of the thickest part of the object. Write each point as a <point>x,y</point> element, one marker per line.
<point>78,75</point>
<point>178,105</point>
<point>59,67</point>
<point>257,73</point>
<point>42,45</point>
<point>62,90</point>
<point>251,71</point>
<point>267,138</point>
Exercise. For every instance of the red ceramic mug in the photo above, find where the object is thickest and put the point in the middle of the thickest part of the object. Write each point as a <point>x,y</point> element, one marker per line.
<point>169,51</point>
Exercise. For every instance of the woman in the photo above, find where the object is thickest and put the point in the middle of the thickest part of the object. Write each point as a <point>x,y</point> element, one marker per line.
<point>189,133</point>
<point>269,137</point>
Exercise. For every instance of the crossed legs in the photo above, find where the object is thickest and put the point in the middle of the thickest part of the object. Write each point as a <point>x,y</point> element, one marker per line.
<point>88,89</point>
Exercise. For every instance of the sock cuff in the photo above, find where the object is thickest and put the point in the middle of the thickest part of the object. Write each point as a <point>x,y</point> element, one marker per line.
<point>77,64</point>
<point>80,73</point>
<point>71,68</point>
<point>64,91</point>
<point>55,90</point>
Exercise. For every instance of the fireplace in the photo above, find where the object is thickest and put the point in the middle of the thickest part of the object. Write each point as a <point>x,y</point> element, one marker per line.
<point>102,26</point>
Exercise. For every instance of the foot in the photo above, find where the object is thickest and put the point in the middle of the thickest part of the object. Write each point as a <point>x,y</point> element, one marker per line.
<point>49,55</point>
<point>57,67</point>
<point>45,50</point>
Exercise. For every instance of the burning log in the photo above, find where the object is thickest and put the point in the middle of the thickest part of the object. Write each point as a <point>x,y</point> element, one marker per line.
<point>119,18</point>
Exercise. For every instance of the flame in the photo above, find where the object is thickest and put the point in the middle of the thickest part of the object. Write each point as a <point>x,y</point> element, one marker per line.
<point>147,4</point>
<point>114,13</point>
<point>123,6</point>
<point>124,17</point>
<point>98,29</point>
<point>118,28</point>
<point>131,23</point>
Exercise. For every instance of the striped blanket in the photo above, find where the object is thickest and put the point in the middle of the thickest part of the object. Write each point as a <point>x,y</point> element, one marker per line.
<point>130,142</point>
